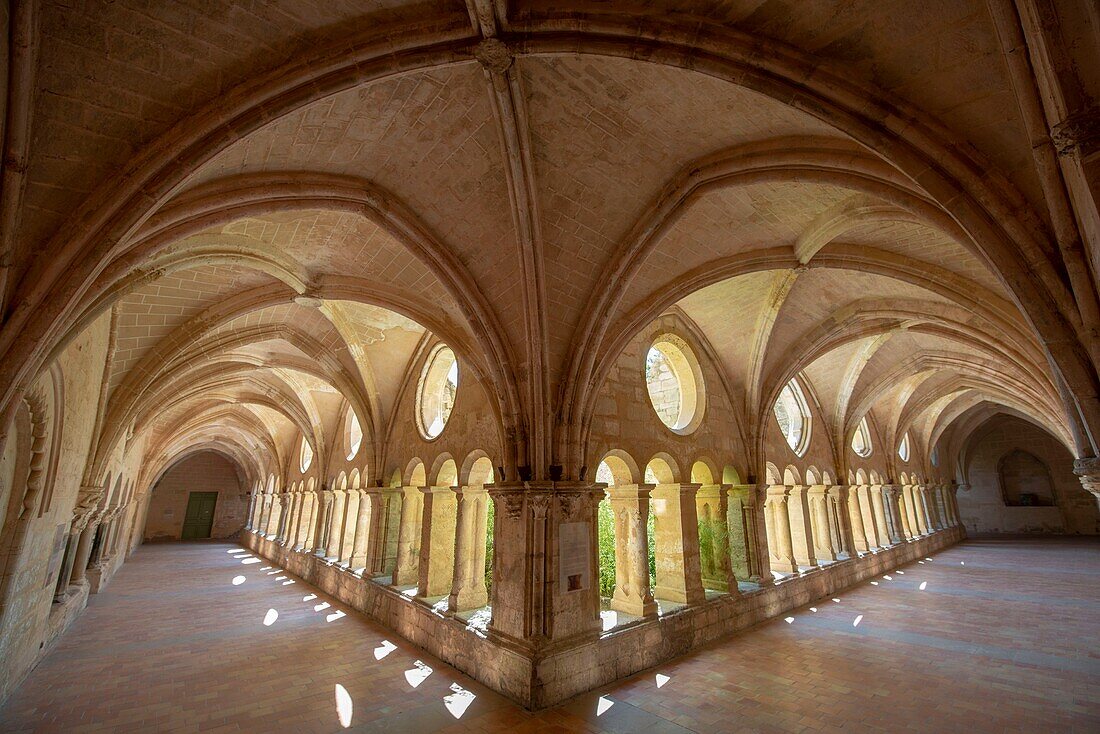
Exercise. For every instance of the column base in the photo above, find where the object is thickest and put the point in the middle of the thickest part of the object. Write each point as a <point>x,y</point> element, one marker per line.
<point>679,596</point>
<point>783,566</point>
<point>467,600</point>
<point>636,608</point>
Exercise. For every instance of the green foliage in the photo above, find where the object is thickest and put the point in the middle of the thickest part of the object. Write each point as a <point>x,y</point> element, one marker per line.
<point>712,537</point>
<point>490,522</point>
<point>651,531</point>
<point>606,526</point>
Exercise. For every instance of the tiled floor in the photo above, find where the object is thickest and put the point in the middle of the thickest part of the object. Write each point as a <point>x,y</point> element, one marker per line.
<point>1003,638</point>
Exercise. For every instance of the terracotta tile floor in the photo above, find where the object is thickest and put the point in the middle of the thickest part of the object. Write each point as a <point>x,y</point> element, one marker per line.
<point>1003,638</point>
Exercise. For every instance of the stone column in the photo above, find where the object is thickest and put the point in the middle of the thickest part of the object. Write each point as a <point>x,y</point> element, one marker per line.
<point>712,508</point>
<point>953,503</point>
<point>335,524</point>
<point>99,553</point>
<point>322,502</point>
<point>437,542</point>
<point>386,532</point>
<point>276,516</point>
<point>752,498</point>
<point>855,517</point>
<point>471,519</point>
<point>545,588</point>
<point>261,505</point>
<point>67,564</point>
<point>363,514</point>
<point>250,522</point>
<point>407,569</point>
<point>630,505</point>
<point>348,517</point>
<point>922,509</point>
<point>934,508</point>
<point>911,511</point>
<point>878,515</point>
<point>83,552</point>
<point>286,511</point>
<point>817,496</point>
<point>945,498</point>
<point>903,511</point>
<point>677,543</point>
<point>297,502</point>
<point>739,509</point>
<point>261,515</point>
<point>265,514</point>
<point>301,523</point>
<point>840,494</point>
<point>890,493</point>
<point>801,527</point>
<point>377,500</point>
<point>780,550</point>
<point>916,511</point>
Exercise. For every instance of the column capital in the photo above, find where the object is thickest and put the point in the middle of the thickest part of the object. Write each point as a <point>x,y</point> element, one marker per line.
<point>1088,471</point>
<point>87,499</point>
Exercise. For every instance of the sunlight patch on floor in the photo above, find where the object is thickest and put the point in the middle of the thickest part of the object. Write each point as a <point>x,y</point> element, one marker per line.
<point>459,701</point>
<point>418,673</point>
<point>343,706</point>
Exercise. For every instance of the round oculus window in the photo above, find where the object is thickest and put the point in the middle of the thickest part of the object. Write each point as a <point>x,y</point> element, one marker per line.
<point>354,435</point>
<point>793,417</point>
<point>306,456</point>
<point>435,396</point>
<point>675,384</point>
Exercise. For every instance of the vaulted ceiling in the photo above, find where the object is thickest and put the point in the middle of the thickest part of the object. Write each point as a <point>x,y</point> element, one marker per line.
<point>278,204</point>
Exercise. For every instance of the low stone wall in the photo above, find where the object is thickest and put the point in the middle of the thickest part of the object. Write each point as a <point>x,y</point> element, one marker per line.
<point>447,638</point>
<point>545,681</point>
<point>624,652</point>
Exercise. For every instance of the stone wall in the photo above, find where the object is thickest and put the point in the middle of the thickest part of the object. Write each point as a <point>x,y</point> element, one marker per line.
<point>205,471</point>
<point>29,620</point>
<point>982,506</point>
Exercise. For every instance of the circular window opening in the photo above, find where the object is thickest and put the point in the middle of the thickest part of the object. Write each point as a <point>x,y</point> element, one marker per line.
<point>675,384</point>
<point>903,448</point>
<point>793,417</point>
<point>861,442</point>
<point>353,434</point>
<point>306,456</point>
<point>435,395</point>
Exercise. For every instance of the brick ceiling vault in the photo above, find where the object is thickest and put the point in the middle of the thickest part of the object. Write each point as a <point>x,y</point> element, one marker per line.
<point>534,184</point>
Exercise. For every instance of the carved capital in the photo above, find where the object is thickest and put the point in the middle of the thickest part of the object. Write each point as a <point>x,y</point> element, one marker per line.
<point>1088,470</point>
<point>509,502</point>
<point>86,501</point>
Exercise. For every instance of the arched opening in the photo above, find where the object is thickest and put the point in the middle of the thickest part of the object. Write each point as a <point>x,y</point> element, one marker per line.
<point>199,497</point>
<point>612,471</point>
<point>447,476</point>
<point>701,473</point>
<point>1025,480</point>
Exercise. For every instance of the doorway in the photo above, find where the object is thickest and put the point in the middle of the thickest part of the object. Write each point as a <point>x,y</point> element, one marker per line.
<point>200,515</point>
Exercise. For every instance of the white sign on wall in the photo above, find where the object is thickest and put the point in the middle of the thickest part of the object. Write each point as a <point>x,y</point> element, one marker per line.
<point>574,562</point>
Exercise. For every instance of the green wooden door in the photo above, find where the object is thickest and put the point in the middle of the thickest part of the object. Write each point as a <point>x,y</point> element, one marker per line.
<point>200,515</point>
